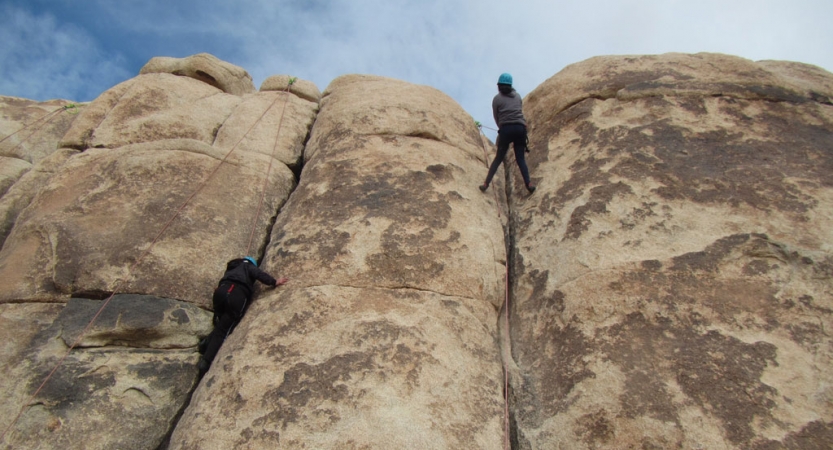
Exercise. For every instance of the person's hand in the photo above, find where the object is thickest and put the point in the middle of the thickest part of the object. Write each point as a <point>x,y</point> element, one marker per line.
<point>281,281</point>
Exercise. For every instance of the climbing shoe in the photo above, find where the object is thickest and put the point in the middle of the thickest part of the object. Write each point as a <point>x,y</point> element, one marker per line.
<point>483,187</point>
<point>530,188</point>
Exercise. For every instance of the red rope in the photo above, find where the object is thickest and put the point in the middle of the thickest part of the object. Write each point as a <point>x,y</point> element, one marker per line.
<point>268,171</point>
<point>48,117</point>
<point>506,337</point>
<point>138,260</point>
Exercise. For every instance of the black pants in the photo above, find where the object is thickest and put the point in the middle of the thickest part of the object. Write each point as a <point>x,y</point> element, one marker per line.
<point>230,301</point>
<point>514,134</point>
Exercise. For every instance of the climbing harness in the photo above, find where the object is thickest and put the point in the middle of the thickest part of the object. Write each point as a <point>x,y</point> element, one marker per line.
<point>121,282</point>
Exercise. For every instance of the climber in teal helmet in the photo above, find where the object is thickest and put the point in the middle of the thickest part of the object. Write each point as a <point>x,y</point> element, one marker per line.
<point>507,108</point>
<point>231,299</point>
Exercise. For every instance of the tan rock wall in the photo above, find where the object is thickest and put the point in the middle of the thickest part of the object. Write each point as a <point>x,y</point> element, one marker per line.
<point>205,68</point>
<point>164,168</point>
<point>29,135</point>
<point>122,388</point>
<point>670,278</point>
<point>386,334</point>
<point>673,271</point>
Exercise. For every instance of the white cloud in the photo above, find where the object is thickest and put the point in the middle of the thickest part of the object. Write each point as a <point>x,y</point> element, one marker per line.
<point>42,59</point>
<point>457,46</point>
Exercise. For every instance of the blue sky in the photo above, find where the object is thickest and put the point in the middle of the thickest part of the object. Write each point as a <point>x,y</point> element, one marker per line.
<point>77,49</point>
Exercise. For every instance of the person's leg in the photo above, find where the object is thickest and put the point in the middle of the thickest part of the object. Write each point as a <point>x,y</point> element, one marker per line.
<point>231,301</point>
<point>502,147</point>
<point>216,338</point>
<point>520,148</point>
<point>222,321</point>
<point>519,144</point>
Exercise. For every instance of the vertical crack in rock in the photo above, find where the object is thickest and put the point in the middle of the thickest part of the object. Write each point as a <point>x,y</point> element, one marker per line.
<point>507,354</point>
<point>669,270</point>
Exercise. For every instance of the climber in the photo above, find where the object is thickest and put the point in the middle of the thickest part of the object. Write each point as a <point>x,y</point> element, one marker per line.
<point>231,299</point>
<point>507,108</point>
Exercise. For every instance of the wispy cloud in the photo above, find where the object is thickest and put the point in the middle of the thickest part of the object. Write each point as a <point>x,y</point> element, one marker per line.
<point>42,59</point>
<point>76,50</point>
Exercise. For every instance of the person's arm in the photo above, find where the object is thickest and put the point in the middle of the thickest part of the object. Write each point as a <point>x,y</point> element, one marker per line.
<point>269,280</point>
<point>262,276</point>
<point>494,111</point>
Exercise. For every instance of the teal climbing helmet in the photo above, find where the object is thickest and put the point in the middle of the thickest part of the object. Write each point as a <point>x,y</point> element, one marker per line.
<point>505,78</point>
<point>251,260</point>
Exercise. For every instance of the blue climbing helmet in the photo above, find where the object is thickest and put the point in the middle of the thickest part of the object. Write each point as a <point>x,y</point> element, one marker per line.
<point>505,78</point>
<point>251,260</point>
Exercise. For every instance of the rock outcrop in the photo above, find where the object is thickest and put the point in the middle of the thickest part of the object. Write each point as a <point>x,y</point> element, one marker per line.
<point>29,153</point>
<point>158,187</point>
<point>205,68</point>
<point>670,282</point>
<point>673,271</point>
<point>386,335</point>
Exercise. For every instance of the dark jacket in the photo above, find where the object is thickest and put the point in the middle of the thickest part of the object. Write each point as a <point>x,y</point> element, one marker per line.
<point>243,273</point>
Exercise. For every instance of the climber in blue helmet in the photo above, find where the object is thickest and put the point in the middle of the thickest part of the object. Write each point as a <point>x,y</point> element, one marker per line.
<point>231,299</point>
<point>507,108</point>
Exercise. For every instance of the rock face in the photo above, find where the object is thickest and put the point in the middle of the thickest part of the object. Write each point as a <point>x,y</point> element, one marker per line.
<point>673,271</point>
<point>386,337</point>
<point>670,282</point>
<point>135,364</point>
<point>153,187</point>
<point>206,69</point>
<point>30,132</point>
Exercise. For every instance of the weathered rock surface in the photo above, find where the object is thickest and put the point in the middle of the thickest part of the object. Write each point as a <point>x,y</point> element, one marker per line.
<point>30,130</point>
<point>152,107</point>
<point>152,198</point>
<point>673,272</point>
<point>204,68</point>
<point>21,193</point>
<point>122,388</point>
<point>102,211</point>
<point>386,335</point>
<point>29,135</point>
<point>410,110</point>
<point>275,124</point>
<point>671,280</point>
<point>304,89</point>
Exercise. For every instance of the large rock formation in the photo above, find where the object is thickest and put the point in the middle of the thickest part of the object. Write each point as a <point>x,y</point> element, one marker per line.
<point>670,280</point>
<point>159,187</point>
<point>386,337</point>
<point>673,272</point>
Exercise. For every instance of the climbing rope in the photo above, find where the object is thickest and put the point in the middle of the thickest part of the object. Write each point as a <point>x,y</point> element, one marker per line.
<point>486,156</point>
<point>488,128</point>
<point>507,344</point>
<point>269,170</point>
<point>121,282</point>
<point>43,120</point>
